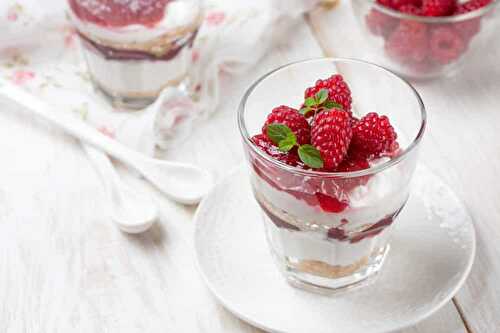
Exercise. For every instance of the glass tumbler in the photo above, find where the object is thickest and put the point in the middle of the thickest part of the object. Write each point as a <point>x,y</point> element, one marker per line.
<point>331,231</point>
<point>134,49</point>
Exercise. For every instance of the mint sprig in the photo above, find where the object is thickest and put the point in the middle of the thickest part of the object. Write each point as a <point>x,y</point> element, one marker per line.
<point>319,102</point>
<point>282,136</point>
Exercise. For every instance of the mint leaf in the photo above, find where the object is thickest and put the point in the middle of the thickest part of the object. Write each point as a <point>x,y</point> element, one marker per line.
<point>310,101</point>
<point>282,136</point>
<point>321,96</point>
<point>332,104</point>
<point>310,156</point>
<point>288,143</point>
<point>278,132</point>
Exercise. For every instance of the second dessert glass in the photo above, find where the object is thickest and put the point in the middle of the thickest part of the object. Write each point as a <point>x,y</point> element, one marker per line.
<point>134,49</point>
<point>330,231</point>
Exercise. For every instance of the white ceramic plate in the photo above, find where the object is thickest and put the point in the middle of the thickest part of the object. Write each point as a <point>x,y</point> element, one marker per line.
<point>432,252</point>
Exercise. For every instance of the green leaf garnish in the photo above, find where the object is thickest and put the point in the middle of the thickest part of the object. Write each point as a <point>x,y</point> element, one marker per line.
<point>333,105</point>
<point>288,143</point>
<point>278,132</point>
<point>310,101</point>
<point>321,96</point>
<point>304,110</point>
<point>310,156</point>
<point>282,136</point>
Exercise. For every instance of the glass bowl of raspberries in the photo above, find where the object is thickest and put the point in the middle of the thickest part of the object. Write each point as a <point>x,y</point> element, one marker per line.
<point>425,39</point>
<point>331,146</point>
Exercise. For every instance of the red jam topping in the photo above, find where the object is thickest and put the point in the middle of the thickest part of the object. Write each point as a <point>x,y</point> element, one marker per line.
<point>119,13</point>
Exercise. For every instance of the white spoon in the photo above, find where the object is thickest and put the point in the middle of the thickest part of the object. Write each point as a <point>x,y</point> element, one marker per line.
<point>131,211</point>
<point>181,182</point>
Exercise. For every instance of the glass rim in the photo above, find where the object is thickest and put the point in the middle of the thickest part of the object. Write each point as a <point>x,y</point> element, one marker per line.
<point>370,171</point>
<point>428,19</point>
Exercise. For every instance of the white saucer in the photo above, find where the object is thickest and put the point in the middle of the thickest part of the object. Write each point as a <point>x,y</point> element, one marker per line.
<point>432,252</point>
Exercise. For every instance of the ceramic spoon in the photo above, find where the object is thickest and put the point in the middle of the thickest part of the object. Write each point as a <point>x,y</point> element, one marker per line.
<point>131,211</point>
<point>181,182</point>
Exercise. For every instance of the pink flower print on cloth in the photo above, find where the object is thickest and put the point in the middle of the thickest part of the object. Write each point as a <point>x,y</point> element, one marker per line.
<point>215,18</point>
<point>21,77</point>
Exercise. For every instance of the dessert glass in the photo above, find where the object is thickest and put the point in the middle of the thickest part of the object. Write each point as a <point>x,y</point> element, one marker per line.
<point>331,231</point>
<point>136,48</point>
<point>424,47</point>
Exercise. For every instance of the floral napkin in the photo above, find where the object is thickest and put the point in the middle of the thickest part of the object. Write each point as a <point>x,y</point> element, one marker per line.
<point>40,52</point>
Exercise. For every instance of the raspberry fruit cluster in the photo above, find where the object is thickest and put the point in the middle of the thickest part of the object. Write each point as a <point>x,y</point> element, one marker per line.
<point>323,135</point>
<point>424,47</point>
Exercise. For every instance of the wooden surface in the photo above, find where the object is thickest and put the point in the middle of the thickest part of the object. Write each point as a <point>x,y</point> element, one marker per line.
<point>65,267</point>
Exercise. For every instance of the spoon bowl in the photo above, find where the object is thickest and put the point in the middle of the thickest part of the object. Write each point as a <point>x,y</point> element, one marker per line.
<point>132,211</point>
<point>170,177</point>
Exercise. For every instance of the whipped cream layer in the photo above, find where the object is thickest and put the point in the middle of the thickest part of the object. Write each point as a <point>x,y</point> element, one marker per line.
<point>383,195</point>
<point>178,15</point>
<point>144,78</point>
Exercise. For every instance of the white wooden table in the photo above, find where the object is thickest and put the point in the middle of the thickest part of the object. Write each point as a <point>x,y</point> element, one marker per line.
<point>65,267</point>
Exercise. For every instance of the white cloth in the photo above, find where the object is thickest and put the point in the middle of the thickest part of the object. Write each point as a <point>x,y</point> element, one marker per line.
<point>39,51</point>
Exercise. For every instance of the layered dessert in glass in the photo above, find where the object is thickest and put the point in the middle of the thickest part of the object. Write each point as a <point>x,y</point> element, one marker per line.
<point>332,146</point>
<point>136,48</point>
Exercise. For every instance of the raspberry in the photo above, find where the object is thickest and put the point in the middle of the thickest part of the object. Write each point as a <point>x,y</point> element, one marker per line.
<point>330,204</point>
<point>398,4</point>
<point>349,164</point>
<point>354,121</point>
<point>446,45</point>
<point>266,145</point>
<point>386,3</point>
<point>373,136</point>
<point>353,163</point>
<point>472,5</point>
<point>380,24</point>
<point>331,134</point>
<point>293,119</point>
<point>423,68</point>
<point>338,91</point>
<point>410,10</point>
<point>438,7</point>
<point>468,29</point>
<point>408,43</point>
<point>114,13</point>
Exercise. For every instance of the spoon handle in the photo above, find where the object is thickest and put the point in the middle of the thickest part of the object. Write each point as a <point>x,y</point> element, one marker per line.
<point>69,123</point>
<point>181,182</point>
<point>103,166</point>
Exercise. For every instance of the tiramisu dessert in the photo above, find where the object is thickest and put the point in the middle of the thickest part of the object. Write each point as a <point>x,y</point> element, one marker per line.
<point>327,214</point>
<point>135,48</point>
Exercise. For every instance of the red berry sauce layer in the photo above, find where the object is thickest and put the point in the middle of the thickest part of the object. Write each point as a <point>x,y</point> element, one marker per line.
<point>373,230</point>
<point>119,13</point>
<point>111,53</point>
